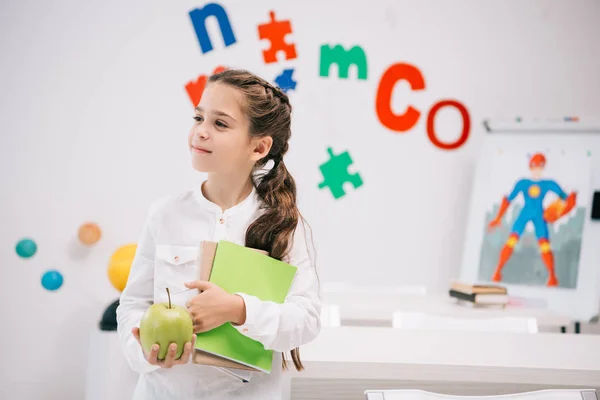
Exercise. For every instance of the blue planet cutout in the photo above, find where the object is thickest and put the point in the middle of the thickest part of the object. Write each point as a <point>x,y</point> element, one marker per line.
<point>52,280</point>
<point>26,248</point>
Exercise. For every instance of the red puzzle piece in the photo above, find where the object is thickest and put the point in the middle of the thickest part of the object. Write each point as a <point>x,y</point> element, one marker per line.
<point>275,32</point>
<point>195,89</point>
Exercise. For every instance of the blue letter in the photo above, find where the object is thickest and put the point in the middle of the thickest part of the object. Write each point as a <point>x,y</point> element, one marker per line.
<point>199,16</point>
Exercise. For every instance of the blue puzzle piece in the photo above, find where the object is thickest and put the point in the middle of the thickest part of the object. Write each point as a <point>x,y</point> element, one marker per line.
<point>199,16</point>
<point>284,81</point>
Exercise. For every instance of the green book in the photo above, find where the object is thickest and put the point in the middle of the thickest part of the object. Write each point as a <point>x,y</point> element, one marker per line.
<point>240,269</point>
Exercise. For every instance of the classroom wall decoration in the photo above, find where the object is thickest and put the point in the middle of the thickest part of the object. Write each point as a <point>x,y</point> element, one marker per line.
<point>198,18</point>
<point>89,233</point>
<point>344,59</point>
<point>406,121</point>
<point>195,88</point>
<point>26,248</point>
<point>120,264</point>
<point>534,224</point>
<point>335,174</point>
<point>52,280</point>
<point>275,29</point>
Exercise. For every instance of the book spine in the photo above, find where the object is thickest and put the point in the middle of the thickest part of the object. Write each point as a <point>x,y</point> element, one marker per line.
<point>462,296</point>
<point>479,298</point>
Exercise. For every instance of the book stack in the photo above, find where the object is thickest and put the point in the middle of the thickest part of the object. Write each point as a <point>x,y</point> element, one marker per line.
<point>479,294</point>
<point>239,269</point>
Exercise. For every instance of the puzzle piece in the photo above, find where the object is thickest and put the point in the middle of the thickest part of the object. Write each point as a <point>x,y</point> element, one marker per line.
<point>285,81</point>
<point>195,89</point>
<point>335,173</point>
<point>275,32</point>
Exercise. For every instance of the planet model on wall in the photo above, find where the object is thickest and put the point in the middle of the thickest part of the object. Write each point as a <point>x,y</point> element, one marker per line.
<point>52,280</point>
<point>26,248</point>
<point>89,233</point>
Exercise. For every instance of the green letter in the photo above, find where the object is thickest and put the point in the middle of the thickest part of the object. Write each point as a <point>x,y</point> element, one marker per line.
<point>343,58</point>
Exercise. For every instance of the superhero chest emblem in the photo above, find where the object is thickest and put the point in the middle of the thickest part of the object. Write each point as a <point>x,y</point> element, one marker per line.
<point>534,191</point>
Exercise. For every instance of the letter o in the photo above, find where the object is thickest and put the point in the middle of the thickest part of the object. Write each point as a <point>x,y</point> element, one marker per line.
<point>465,130</point>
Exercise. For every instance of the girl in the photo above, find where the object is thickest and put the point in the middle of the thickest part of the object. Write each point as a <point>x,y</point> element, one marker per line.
<point>241,123</point>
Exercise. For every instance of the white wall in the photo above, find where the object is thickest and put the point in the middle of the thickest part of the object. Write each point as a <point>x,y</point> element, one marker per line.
<point>94,118</point>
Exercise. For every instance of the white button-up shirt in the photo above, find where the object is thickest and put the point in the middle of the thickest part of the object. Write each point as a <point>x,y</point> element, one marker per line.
<point>167,257</point>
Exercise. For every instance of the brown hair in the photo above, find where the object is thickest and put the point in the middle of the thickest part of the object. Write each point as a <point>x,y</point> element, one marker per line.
<point>269,112</point>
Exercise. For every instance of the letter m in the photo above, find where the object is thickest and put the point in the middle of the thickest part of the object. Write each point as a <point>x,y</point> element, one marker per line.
<point>199,16</point>
<point>343,58</point>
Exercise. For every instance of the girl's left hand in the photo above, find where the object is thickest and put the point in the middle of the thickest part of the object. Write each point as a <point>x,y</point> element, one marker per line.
<point>214,307</point>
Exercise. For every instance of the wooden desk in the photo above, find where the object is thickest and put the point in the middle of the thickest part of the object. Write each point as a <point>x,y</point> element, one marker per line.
<point>378,309</point>
<point>343,362</point>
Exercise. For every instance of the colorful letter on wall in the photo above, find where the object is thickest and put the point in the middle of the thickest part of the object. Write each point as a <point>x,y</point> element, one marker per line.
<point>395,73</point>
<point>195,89</point>
<point>343,58</point>
<point>199,16</point>
<point>431,124</point>
<point>275,32</point>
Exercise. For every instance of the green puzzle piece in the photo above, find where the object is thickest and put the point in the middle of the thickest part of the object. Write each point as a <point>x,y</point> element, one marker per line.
<point>335,173</point>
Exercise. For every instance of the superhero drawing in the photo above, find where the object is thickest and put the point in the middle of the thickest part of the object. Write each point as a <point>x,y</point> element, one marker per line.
<point>533,190</point>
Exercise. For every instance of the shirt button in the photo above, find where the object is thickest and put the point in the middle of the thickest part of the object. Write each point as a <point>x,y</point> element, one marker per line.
<point>176,258</point>
<point>222,221</point>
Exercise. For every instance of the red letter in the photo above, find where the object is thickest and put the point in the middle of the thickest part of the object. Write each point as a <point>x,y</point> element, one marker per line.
<point>391,76</point>
<point>466,125</point>
<point>195,89</point>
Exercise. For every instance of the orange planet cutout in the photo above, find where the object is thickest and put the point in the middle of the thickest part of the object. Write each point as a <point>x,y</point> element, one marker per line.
<point>89,233</point>
<point>120,264</point>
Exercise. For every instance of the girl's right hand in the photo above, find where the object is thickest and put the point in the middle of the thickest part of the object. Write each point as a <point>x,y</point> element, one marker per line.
<point>169,360</point>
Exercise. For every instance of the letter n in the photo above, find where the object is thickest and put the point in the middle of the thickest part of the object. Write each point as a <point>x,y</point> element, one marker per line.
<point>199,16</point>
<point>343,58</point>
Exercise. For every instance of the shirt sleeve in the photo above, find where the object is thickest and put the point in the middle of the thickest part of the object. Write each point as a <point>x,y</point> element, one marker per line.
<point>136,297</point>
<point>283,327</point>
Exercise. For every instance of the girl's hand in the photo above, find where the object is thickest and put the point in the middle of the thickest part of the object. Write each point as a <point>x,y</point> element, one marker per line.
<point>169,360</point>
<point>214,306</point>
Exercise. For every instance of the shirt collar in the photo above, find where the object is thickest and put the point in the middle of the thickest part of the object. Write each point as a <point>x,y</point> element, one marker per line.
<point>250,201</point>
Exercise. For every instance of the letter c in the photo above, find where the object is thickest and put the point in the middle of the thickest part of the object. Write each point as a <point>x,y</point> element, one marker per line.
<point>395,73</point>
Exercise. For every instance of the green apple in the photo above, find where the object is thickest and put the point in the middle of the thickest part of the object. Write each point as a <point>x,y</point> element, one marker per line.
<point>166,323</point>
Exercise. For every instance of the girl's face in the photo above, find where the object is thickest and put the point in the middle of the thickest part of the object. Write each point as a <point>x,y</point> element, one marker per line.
<point>219,140</point>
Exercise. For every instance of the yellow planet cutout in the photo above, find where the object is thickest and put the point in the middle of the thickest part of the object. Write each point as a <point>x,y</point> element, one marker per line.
<point>120,264</point>
<point>89,233</point>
